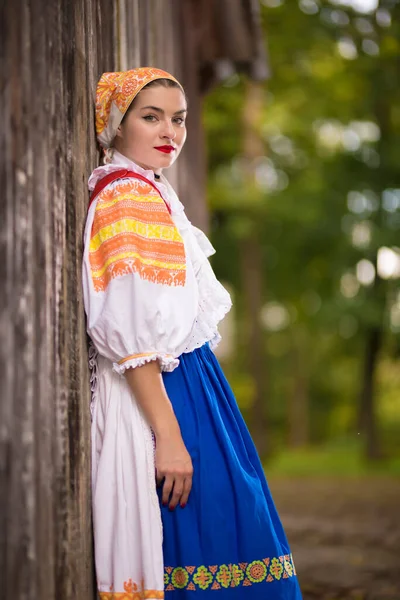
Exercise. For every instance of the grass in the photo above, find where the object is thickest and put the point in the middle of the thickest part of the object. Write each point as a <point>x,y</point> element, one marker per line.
<point>339,459</point>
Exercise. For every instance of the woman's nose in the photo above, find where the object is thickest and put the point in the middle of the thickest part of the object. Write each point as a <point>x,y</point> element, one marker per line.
<point>168,130</point>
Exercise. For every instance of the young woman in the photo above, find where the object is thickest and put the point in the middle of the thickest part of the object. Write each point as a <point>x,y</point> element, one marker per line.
<point>180,501</point>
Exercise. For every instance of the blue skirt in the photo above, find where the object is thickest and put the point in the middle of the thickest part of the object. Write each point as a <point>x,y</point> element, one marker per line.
<point>229,537</point>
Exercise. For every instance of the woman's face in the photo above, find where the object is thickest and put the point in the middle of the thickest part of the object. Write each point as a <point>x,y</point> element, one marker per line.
<point>154,131</point>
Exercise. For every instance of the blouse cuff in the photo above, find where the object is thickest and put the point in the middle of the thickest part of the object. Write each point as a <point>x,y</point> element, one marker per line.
<point>167,361</point>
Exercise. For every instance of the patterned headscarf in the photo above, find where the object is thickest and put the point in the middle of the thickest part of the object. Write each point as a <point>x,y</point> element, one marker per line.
<point>115,92</point>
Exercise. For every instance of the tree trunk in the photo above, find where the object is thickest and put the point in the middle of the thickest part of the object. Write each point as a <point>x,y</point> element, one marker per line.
<point>299,405</point>
<point>368,422</point>
<point>387,71</point>
<point>251,268</point>
<point>252,271</point>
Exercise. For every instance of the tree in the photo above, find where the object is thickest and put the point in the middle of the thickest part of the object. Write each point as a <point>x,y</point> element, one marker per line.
<point>323,200</point>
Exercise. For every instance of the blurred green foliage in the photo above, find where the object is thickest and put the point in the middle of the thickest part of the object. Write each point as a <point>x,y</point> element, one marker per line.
<point>323,198</point>
<point>337,460</point>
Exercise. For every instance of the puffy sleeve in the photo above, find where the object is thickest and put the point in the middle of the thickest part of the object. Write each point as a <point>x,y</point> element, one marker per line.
<point>203,242</point>
<point>140,292</point>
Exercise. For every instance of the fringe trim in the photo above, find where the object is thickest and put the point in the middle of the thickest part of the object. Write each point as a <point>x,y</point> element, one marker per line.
<point>132,264</point>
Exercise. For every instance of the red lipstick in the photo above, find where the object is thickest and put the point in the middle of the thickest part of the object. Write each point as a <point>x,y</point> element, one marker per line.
<point>166,149</point>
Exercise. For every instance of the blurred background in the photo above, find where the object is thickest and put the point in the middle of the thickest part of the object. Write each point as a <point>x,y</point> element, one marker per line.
<point>304,189</point>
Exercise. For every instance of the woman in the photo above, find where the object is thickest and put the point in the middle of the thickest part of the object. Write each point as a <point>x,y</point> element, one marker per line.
<point>180,502</point>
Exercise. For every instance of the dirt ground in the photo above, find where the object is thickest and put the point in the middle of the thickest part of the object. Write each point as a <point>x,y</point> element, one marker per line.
<point>344,535</point>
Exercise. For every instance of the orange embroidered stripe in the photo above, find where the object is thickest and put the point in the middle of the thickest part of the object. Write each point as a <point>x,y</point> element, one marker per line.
<point>133,356</point>
<point>133,232</point>
<point>151,273</point>
<point>126,257</point>
<point>145,197</point>
<point>160,262</point>
<point>126,186</point>
<point>131,209</point>
<point>126,243</point>
<point>127,191</point>
<point>143,595</point>
<point>147,234</point>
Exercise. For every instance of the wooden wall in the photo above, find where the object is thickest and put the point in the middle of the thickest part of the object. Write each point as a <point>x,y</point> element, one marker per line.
<point>51,56</point>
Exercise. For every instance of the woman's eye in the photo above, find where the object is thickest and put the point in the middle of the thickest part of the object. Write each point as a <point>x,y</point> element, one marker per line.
<point>179,120</point>
<point>149,118</point>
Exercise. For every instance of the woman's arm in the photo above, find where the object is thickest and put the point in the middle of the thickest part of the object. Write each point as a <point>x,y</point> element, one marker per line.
<point>172,460</point>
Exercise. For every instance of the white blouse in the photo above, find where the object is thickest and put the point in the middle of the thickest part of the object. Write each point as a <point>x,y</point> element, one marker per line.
<point>156,297</point>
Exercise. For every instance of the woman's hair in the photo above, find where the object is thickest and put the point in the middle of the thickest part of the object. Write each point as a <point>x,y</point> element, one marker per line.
<point>167,83</point>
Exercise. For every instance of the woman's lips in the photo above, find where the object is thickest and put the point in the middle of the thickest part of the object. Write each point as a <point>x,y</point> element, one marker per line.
<point>166,149</point>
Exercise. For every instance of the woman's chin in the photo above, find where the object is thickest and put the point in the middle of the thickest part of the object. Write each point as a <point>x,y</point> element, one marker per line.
<point>165,161</point>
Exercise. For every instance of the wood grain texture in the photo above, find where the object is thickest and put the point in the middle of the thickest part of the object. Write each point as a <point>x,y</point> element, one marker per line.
<point>52,55</point>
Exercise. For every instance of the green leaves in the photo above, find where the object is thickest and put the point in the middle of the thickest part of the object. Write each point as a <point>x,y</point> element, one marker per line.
<point>329,133</point>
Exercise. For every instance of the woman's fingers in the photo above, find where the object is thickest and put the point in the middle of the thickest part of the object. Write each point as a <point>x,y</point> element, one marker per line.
<point>159,478</point>
<point>176,493</point>
<point>167,488</point>
<point>176,490</point>
<point>187,486</point>
<point>174,465</point>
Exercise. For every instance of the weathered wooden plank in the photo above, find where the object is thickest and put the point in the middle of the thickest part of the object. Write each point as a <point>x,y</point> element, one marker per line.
<point>49,56</point>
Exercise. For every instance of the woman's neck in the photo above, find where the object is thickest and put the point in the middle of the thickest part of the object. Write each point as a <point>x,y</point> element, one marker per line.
<point>118,153</point>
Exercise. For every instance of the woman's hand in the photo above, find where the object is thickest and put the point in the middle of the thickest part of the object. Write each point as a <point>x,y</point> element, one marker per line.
<point>173,462</point>
<point>174,466</point>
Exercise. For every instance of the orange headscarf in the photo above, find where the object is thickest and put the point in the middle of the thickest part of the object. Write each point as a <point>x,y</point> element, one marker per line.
<point>114,94</point>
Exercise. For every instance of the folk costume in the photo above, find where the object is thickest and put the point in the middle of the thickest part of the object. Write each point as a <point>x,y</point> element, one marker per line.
<point>150,294</point>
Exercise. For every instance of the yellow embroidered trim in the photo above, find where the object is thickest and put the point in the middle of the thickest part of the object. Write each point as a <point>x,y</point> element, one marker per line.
<point>146,230</point>
<point>133,591</point>
<point>133,356</point>
<point>143,595</point>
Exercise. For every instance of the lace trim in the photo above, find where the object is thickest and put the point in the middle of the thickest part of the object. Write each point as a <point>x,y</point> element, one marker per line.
<point>167,363</point>
<point>93,354</point>
<point>150,448</point>
<point>214,303</point>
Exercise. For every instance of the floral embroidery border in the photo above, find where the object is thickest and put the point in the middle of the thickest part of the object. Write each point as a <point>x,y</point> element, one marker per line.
<point>133,591</point>
<point>143,595</point>
<point>217,577</point>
